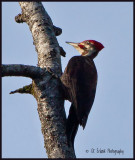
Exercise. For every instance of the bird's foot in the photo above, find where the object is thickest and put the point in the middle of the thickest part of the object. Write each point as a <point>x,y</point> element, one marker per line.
<point>52,72</point>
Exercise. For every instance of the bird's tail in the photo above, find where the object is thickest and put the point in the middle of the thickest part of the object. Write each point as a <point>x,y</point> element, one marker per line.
<point>72,125</point>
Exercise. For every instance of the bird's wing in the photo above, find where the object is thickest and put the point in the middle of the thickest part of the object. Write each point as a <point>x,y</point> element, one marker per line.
<point>79,78</point>
<point>70,77</point>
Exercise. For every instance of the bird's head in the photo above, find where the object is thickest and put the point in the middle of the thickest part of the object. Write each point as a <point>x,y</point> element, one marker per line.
<point>88,48</point>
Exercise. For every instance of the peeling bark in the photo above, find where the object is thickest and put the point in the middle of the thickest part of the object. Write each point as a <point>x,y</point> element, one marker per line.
<point>46,86</point>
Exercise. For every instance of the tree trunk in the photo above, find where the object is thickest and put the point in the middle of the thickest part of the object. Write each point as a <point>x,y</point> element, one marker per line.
<point>46,86</point>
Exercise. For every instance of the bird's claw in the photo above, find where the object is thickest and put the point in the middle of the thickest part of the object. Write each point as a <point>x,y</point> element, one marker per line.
<point>52,72</point>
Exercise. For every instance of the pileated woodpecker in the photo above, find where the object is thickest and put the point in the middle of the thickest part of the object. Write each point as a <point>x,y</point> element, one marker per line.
<point>79,81</point>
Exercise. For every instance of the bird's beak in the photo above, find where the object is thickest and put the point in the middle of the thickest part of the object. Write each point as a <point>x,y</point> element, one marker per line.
<point>73,44</point>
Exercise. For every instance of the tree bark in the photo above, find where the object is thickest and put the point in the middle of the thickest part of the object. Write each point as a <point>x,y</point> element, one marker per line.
<point>46,87</point>
<point>22,70</point>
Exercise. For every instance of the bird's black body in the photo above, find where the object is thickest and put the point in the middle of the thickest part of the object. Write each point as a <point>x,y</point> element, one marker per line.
<point>79,81</point>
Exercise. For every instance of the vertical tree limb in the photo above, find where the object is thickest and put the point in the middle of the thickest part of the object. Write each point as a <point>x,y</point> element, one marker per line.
<point>47,91</point>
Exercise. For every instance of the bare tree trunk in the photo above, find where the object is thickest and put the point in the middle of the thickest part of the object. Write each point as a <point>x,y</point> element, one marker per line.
<point>45,86</point>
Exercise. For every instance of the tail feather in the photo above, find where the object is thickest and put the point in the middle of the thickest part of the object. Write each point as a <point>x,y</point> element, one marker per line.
<point>83,122</point>
<point>72,125</point>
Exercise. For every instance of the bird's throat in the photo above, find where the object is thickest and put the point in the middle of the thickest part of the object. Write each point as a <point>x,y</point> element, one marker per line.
<point>91,54</point>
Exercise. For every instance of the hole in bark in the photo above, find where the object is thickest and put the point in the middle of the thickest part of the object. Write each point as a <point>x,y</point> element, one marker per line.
<point>39,24</point>
<point>53,53</point>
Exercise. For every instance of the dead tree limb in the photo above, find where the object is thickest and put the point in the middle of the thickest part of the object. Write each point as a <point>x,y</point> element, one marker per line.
<point>22,70</point>
<point>46,87</point>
